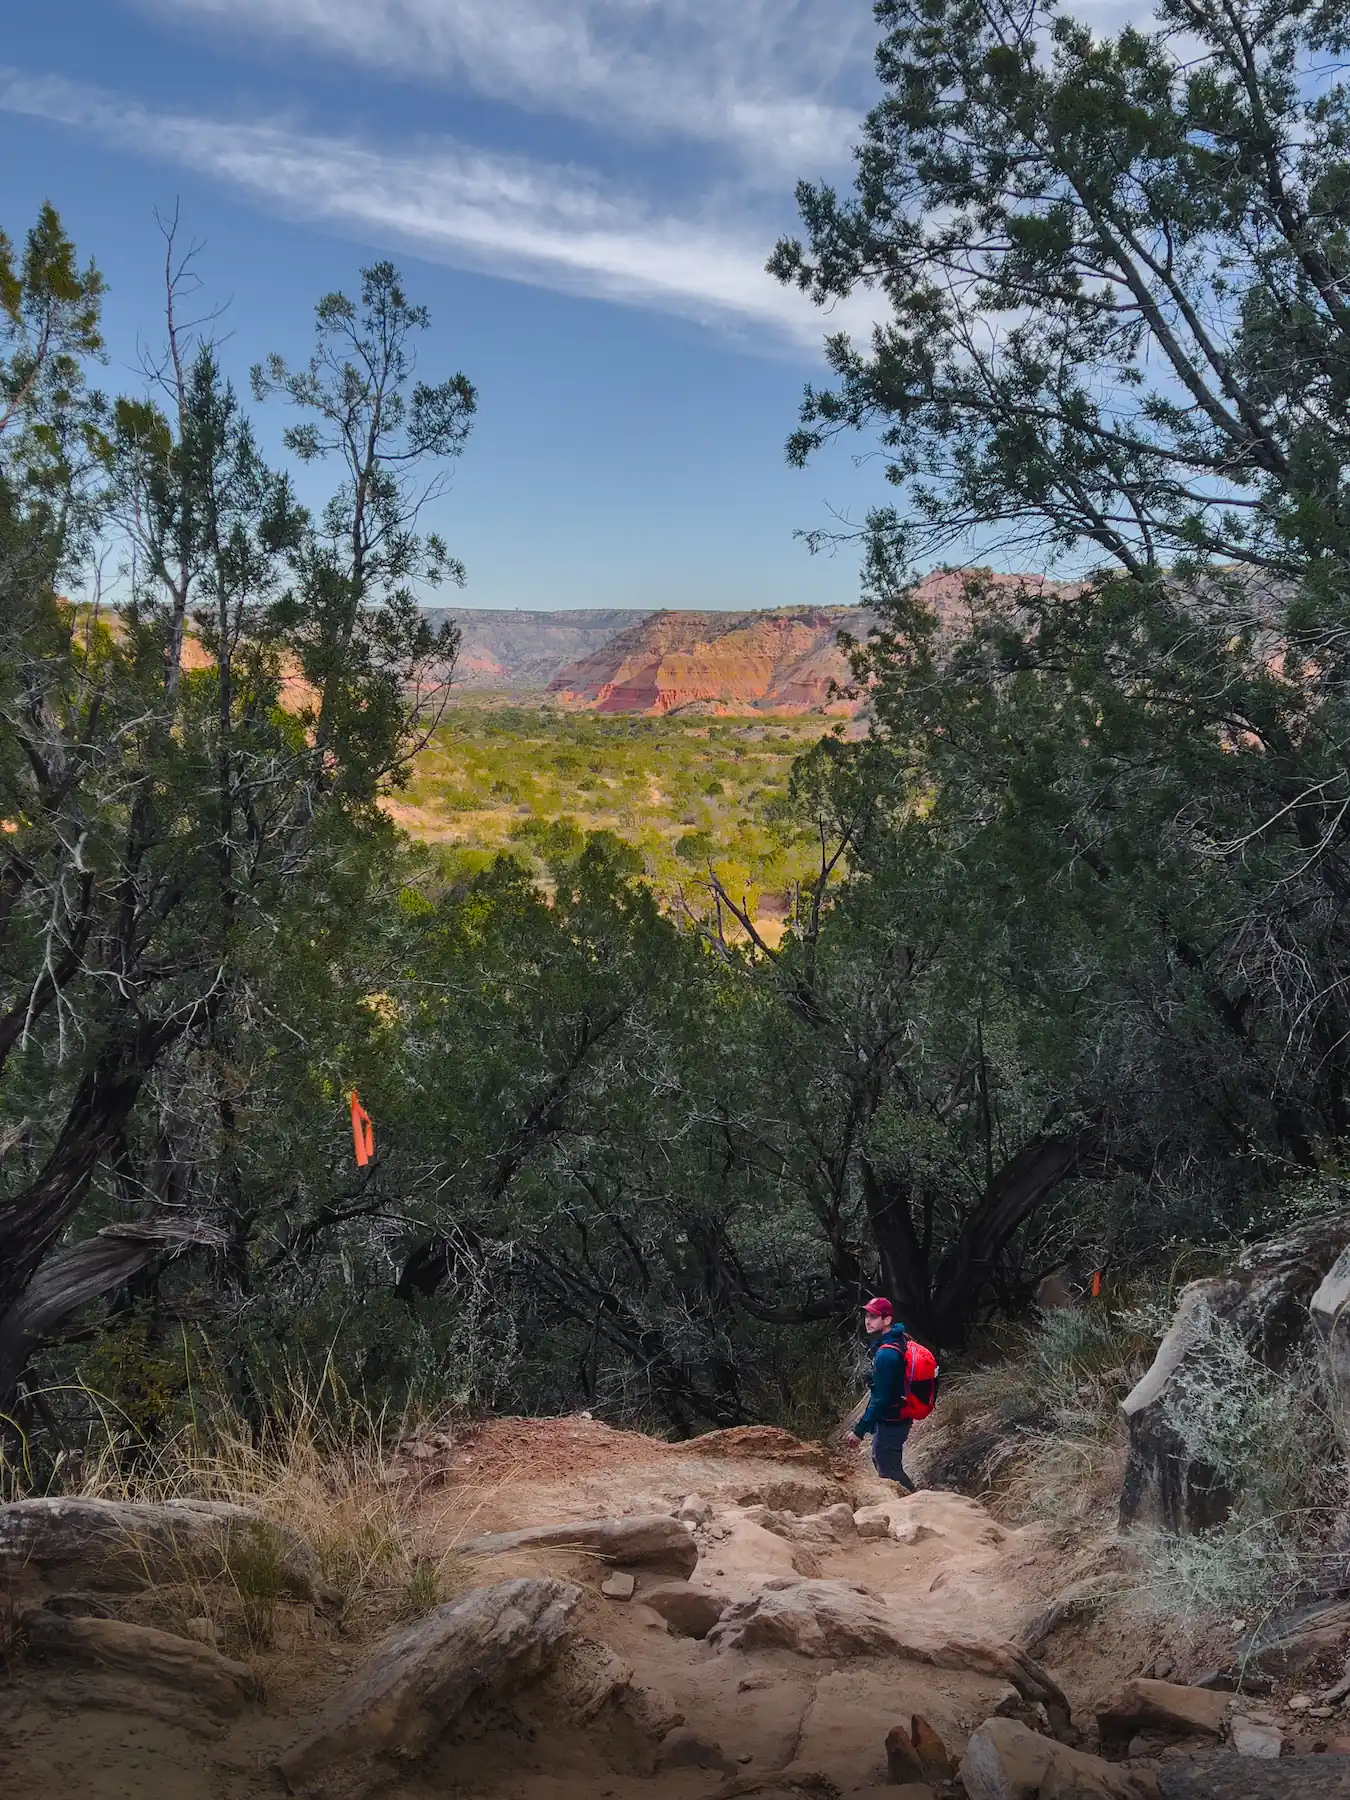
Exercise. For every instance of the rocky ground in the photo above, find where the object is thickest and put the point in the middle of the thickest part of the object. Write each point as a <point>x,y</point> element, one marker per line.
<point>733,1616</point>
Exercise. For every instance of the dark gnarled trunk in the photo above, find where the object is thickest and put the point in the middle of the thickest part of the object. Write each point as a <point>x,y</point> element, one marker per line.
<point>31,1221</point>
<point>940,1305</point>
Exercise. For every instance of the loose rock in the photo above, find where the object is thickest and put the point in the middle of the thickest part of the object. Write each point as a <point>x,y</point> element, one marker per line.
<point>1253,1737</point>
<point>938,1765</point>
<point>694,1510</point>
<point>618,1586</point>
<point>872,1522</point>
<point>902,1759</point>
<point>689,1611</point>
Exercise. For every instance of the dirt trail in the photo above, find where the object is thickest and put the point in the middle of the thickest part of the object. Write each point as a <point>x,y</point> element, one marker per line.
<point>959,1575</point>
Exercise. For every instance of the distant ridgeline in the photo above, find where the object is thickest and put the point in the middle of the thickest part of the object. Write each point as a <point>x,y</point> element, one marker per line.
<point>783,660</point>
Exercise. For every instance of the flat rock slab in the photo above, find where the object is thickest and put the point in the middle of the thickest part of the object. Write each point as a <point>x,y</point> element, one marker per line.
<point>121,1547</point>
<point>839,1619</point>
<point>417,1682</point>
<point>1228,1777</point>
<point>651,1540</point>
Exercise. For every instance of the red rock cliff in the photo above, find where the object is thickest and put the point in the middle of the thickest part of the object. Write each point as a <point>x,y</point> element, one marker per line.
<point>726,662</point>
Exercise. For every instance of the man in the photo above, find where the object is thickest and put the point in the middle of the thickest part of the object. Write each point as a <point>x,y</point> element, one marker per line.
<point>885,1417</point>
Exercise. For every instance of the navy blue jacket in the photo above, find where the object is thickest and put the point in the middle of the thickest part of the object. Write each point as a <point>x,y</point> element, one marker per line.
<point>888,1382</point>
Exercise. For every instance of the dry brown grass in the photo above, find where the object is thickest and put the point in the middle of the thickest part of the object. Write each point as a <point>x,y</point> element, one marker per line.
<point>325,1470</point>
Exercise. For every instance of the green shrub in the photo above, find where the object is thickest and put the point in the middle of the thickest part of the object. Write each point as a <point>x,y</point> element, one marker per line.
<point>1270,1438</point>
<point>695,847</point>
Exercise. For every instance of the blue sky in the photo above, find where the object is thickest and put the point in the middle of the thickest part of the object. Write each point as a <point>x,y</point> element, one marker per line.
<point>583,192</point>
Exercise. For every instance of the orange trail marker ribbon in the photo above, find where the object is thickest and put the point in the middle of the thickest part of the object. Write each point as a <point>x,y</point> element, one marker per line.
<point>363,1132</point>
<point>1096,1284</point>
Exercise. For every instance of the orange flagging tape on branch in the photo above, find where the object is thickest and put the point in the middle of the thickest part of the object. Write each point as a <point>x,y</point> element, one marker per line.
<point>363,1132</point>
<point>1096,1284</point>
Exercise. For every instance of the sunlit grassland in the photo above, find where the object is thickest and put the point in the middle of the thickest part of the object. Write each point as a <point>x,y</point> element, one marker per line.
<point>688,793</point>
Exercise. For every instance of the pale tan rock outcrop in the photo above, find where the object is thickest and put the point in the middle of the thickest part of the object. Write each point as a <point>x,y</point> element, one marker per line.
<point>418,1681</point>
<point>651,1540</point>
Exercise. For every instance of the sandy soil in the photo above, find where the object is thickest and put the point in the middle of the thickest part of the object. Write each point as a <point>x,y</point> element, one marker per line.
<point>769,1711</point>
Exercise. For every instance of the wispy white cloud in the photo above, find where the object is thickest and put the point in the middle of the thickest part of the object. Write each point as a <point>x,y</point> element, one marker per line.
<point>781,81</point>
<point>548,224</point>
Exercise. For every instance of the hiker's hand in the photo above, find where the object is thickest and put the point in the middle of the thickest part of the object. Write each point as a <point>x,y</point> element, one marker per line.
<point>853,1441</point>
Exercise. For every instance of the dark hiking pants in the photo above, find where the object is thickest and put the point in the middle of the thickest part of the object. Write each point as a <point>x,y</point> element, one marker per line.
<point>888,1452</point>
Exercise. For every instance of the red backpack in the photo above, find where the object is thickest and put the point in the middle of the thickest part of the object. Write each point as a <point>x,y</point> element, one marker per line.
<point>921,1381</point>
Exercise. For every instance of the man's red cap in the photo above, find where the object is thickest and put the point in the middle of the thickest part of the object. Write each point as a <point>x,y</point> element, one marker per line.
<point>879,1309</point>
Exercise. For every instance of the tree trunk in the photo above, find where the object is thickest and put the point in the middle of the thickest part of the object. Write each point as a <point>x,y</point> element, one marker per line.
<point>1015,1193</point>
<point>70,1279</point>
<point>940,1306</point>
<point>33,1220</point>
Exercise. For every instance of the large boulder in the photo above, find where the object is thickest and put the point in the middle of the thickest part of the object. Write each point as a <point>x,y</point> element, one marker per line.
<point>839,1619</point>
<point>121,1547</point>
<point>1266,1300</point>
<point>418,1681</point>
<point>1008,1761</point>
<point>650,1540</point>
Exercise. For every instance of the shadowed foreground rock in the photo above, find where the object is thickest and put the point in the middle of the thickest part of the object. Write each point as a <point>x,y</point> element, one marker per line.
<point>418,1681</point>
<point>134,1662</point>
<point>651,1540</point>
<point>1248,1778</point>
<point>120,1547</point>
<point>835,1618</point>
